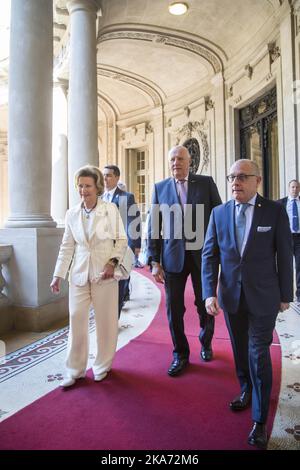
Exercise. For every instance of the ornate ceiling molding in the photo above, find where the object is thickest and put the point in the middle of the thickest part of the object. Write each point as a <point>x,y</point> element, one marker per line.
<point>133,81</point>
<point>108,108</point>
<point>3,143</point>
<point>166,39</point>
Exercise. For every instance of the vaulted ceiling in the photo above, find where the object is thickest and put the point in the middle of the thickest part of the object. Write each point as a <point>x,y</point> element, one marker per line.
<point>146,56</point>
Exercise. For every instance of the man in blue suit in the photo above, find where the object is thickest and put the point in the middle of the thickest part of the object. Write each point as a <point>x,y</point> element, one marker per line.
<point>130,215</point>
<point>292,205</point>
<point>179,215</point>
<point>249,238</point>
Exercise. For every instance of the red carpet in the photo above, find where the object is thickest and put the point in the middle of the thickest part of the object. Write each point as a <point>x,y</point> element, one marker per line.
<point>139,407</point>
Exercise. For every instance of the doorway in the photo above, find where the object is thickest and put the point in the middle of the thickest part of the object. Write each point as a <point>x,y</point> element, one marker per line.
<point>259,140</point>
<point>138,177</point>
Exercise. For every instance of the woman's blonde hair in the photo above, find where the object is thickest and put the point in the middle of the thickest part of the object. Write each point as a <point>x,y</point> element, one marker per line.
<point>93,172</point>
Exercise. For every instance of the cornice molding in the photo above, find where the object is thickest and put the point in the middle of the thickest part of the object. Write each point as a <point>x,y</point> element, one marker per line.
<point>139,83</point>
<point>165,39</point>
<point>89,6</point>
<point>108,108</point>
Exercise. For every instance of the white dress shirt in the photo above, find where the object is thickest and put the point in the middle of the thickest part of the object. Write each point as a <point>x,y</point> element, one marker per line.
<point>108,195</point>
<point>289,209</point>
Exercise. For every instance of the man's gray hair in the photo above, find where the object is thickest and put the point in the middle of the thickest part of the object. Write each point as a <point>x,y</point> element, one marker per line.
<point>178,147</point>
<point>254,165</point>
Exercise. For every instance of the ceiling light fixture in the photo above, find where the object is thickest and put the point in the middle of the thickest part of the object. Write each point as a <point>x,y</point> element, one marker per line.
<point>178,8</point>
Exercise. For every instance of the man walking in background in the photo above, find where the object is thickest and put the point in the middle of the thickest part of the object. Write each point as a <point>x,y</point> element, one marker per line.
<point>292,205</point>
<point>130,215</point>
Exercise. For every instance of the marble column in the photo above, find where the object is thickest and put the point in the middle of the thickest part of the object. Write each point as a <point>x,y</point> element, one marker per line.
<point>289,110</point>
<point>30,114</point>
<point>83,115</point>
<point>220,170</point>
<point>59,193</point>
<point>29,228</point>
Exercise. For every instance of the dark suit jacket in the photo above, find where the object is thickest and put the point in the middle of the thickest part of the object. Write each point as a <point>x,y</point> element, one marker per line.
<point>283,201</point>
<point>266,268</point>
<point>170,251</point>
<point>130,215</point>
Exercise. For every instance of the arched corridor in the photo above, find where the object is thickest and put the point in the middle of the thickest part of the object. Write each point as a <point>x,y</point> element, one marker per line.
<point>121,82</point>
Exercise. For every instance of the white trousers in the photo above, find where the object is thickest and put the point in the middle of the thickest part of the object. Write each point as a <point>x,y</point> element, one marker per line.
<point>104,298</point>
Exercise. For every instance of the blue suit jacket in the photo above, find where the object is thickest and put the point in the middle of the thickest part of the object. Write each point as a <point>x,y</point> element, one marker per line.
<point>170,251</point>
<point>130,215</point>
<point>266,268</point>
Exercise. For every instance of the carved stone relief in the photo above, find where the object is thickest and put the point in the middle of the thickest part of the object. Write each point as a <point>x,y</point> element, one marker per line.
<point>209,104</point>
<point>193,135</point>
<point>3,144</point>
<point>274,52</point>
<point>249,71</point>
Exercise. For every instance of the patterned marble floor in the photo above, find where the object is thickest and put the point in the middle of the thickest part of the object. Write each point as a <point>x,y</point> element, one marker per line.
<point>36,369</point>
<point>286,429</point>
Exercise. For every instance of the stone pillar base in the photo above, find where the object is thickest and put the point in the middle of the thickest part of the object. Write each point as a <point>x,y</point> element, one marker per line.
<point>33,319</point>
<point>6,316</point>
<point>27,276</point>
<point>40,318</point>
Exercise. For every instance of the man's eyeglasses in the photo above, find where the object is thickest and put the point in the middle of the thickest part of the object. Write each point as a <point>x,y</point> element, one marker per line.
<point>242,177</point>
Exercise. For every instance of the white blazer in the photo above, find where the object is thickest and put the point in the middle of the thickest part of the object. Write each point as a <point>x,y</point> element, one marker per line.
<point>88,257</point>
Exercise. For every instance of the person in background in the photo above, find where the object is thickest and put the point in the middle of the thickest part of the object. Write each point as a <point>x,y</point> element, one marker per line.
<point>174,254</point>
<point>131,218</point>
<point>122,186</point>
<point>292,205</point>
<point>93,243</point>
<point>249,238</point>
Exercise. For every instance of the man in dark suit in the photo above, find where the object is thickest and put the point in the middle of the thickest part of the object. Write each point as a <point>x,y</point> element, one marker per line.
<point>179,215</point>
<point>292,205</point>
<point>249,238</point>
<point>130,215</point>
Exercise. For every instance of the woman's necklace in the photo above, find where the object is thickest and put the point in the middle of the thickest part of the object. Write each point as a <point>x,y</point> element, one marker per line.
<point>88,211</point>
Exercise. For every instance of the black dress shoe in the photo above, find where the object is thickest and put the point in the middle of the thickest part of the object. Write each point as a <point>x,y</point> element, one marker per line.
<point>258,436</point>
<point>241,403</point>
<point>177,366</point>
<point>206,354</point>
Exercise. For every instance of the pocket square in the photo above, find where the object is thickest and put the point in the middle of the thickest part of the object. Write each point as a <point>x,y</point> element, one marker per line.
<point>263,229</point>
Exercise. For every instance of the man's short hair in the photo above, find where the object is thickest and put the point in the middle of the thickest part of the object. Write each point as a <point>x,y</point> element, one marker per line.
<point>114,168</point>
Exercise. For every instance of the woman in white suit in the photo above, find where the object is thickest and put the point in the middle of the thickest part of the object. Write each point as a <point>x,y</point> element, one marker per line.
<point>93,243</point>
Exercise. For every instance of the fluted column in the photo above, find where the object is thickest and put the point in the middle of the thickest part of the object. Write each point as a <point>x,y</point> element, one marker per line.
<point>30,113</point>
<point>83,117</point>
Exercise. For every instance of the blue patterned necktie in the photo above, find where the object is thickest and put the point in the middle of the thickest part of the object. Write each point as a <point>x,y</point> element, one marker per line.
<point>240,225</point>
<point>106,197</point>
<point>295,217</point>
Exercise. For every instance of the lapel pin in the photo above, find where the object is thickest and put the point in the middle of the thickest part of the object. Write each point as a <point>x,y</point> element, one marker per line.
<point>259,205</point>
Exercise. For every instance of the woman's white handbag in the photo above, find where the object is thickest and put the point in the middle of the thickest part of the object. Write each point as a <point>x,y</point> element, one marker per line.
<point>123,269</point>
